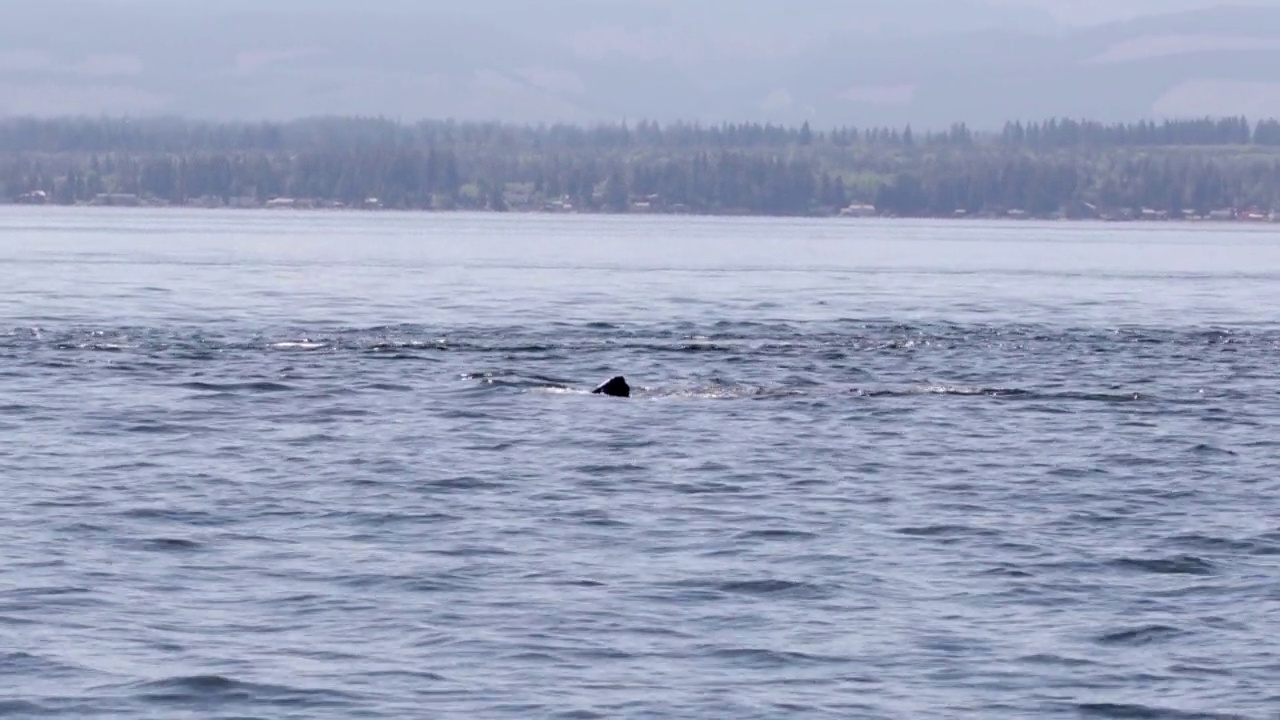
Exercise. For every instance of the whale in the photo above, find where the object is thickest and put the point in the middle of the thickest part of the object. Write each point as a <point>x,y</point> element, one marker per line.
<point>613,387</point>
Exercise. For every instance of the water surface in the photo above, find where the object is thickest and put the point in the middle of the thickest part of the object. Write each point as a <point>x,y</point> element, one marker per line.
<point>343,465</point>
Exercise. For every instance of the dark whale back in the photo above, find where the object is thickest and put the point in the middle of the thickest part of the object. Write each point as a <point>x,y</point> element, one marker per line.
<point>614,387</point>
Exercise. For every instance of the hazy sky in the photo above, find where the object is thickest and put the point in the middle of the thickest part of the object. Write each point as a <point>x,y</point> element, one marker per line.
<point>926,62</point>
<point>1065,11</point>
<point>1096,11</point>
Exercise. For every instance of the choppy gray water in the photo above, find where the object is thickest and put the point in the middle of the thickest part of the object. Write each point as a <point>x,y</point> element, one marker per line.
<point>264,465</point>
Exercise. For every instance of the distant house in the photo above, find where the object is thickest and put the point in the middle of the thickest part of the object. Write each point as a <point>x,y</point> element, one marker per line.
<point>291,203</point>
<point>517,196</point>
<point>117,199</point>
<point>859,210</point>
<point>561,205</point>
<point>35,197</point>
<point>205,201</point>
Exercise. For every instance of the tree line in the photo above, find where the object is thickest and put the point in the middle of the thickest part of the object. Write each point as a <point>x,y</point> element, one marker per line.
<point>1067,133</point>
<point>1064,167</point>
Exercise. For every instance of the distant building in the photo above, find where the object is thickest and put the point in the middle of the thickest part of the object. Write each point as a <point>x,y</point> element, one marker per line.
<point>117,199</point>
<point>518,197</point>
<point>291,203</point>
<point>859,210</point>
<point>35,197</point>
<point>561,205</point>
<point>205,201</point>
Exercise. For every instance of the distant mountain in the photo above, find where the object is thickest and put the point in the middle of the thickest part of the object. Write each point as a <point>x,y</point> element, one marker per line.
<point>924,62</point>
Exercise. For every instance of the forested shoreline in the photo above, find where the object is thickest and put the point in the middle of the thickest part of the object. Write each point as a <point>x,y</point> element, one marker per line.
<point>1208,168</point>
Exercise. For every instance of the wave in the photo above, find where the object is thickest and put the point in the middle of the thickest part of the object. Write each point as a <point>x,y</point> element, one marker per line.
<point>262,386</point>
<point>811,389</point>
<point>1130,711</point>
<point>1141,635</point>
<point>209,690</point>
<point>762,658</point>
<point>1181,565</point>
<point>717,337</point>
<point>300,345</point>
<point>1003,393</point>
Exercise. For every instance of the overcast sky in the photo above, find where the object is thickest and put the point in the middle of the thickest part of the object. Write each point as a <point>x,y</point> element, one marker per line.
<point>1072,12</point>
<point>861,62</point>
<point>1097,11</point>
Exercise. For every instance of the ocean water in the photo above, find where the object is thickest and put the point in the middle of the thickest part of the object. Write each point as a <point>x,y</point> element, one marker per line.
<point>327,465</point>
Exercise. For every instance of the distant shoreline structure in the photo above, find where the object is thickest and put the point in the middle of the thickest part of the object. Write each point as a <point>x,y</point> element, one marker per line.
<point>1226,216</point>
<point>1225,169</point>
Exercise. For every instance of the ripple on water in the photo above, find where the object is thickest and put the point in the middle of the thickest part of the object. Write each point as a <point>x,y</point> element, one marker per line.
<point>209,692</point>
<point>1123,711</point>
<point>764,659</point>
<point>1141,635</point>
<point>170,545</point>
<point>1179,565</point>
<point>259,386</point>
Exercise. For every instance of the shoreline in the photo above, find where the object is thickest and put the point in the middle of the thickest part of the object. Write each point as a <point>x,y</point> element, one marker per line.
<point>1235,217</point>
